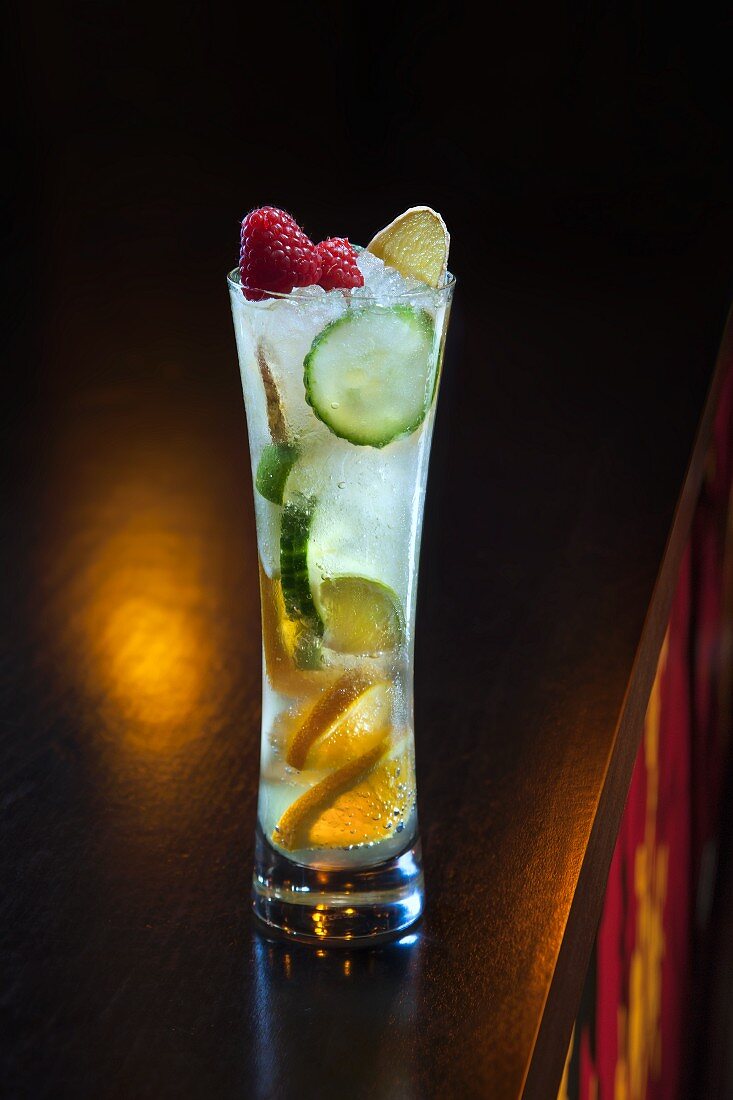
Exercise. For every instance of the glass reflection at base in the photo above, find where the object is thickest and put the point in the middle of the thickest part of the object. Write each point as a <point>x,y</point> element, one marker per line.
<point>347,907</point>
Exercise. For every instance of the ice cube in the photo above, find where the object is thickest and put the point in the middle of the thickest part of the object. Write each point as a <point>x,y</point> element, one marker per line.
<point>284,336</point>
<point>386,283</point>
<point>308,292</point>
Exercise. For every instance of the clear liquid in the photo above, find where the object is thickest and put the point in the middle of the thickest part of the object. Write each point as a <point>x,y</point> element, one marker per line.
<point>337,779</point>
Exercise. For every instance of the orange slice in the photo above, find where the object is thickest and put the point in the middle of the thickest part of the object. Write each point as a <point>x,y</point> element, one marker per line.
<point>363,802</point>
<point>371,810</point>
<point>293,827</point>
<point>416,244</point>
<point>330,710</point>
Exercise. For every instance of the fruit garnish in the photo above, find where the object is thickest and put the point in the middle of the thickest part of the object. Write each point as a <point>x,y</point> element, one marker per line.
<point>364,801</point>
<point>416,244</point>
<point>369,374</point>
<point>327,737</point>
<point>275,254</point>
<point>292,829</point>
<point>328,712</point>
<point>373,809</point>
<point>365,724</point>
<point>276,462</point>
<point>339,270</point>
<point>360,615</point>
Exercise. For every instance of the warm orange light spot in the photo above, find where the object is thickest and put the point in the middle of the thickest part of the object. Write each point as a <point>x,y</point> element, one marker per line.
<point>143,626</point>
<point>151,610</point>
<point>151,653</point>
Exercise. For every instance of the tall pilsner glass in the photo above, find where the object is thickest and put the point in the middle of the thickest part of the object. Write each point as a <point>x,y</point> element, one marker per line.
<point>340,391</point>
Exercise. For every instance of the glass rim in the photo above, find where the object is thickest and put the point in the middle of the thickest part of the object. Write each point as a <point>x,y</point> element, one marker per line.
<point>444,291</point>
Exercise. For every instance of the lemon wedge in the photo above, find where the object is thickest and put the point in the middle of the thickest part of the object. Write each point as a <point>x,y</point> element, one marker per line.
<point>416,244</point>
<point>354,691</point>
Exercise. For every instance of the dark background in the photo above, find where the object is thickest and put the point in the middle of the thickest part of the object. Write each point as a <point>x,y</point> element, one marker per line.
<point>597,132</point>
<point>579,149</point>
<point>582,158</point>
<point>587,146</point>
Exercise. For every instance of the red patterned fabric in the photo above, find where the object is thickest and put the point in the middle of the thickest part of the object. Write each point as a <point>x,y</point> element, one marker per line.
<point>630,1038</point>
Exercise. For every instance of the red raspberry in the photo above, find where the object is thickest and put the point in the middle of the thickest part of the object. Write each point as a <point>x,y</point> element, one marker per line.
<point>275,254</point>
<point>339,270</point>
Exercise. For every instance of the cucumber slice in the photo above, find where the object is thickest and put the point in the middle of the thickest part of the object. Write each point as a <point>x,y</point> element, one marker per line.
<point>360,615</point>
<point>294,533</point>
<point>359,527</point>
<point>350,613</point>
<point>369,376</point>
<point>276,462</point>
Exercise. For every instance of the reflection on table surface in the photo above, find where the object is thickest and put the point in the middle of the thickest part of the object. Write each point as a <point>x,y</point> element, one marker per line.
<point>341,1002</point>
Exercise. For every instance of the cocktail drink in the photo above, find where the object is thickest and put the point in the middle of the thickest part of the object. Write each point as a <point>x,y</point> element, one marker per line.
<point>340,353</point>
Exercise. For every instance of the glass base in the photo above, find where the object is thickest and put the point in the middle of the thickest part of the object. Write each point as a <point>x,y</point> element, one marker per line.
<point>350,907</point>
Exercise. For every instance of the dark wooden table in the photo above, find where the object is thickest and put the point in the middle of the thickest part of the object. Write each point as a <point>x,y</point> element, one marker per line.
<point>565,469</point>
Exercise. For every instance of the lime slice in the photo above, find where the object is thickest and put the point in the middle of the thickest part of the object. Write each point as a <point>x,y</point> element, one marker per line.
<point>369,375</point>
<point>276,462</point>
<point>360,615</point>
<point>416,244</point>
<point>331,708</point>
